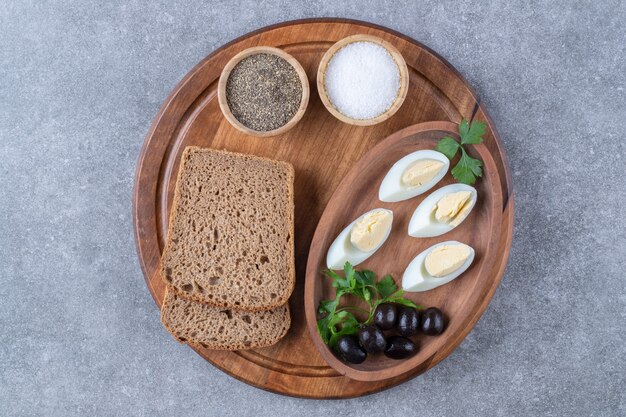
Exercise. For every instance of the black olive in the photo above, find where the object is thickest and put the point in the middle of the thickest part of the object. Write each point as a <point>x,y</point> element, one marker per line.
<point>372,339</point>
<point>432,322</point>
<point>399,347</point>
<point>350,350</point>
<point>408,321</point>
<point>385,316</point>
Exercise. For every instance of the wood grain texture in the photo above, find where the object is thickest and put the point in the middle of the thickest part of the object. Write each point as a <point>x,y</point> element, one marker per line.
<point>322,150</point>
<point>397,57</point>
<point>357,194</point>
<point>223,81</point>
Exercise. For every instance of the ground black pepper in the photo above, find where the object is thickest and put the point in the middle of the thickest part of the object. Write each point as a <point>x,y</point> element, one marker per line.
<point>263,92</point>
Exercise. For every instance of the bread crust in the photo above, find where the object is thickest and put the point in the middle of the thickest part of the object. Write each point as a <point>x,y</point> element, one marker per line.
<point>205,321</point>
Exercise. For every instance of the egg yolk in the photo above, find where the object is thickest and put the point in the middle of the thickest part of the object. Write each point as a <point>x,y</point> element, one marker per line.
<point>420,172</point>
<point>453,208</point>
<point>445,259</point>
<point>370,230</point>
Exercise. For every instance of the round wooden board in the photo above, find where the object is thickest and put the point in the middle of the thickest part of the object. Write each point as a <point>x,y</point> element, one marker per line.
<point>322,150</point>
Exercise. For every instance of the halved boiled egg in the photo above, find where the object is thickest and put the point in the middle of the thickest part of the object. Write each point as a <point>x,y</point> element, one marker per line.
<point>443,210</point>
<point>360,239</point>
<point>437,265</point>
<point>413,175</point>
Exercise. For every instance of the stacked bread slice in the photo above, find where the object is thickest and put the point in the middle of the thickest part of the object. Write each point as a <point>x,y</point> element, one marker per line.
<point>228,261</point>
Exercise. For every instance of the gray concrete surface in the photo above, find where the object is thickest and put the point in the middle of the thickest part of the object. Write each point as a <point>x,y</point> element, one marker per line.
<point>80,84</point>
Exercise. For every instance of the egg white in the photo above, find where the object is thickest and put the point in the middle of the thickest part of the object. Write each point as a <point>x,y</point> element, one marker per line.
<point>342,250</point>
<point>423,222</point>
<point>417,279</point>
<point>393,190</point>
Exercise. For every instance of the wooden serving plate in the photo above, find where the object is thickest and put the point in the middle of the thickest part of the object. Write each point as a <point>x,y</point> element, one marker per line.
<point>322,150</point>
<point>358,194</point>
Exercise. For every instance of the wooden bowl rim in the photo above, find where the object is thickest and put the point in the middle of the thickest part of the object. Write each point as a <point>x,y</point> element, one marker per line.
<point>223,102</point>
<point>407,365</point>
<point>396,56</point>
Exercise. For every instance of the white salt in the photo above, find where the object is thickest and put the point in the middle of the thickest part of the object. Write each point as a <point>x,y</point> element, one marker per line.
<point>362,80</point>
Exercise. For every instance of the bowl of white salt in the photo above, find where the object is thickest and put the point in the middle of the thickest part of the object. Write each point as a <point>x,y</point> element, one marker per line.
<point>362,80</point>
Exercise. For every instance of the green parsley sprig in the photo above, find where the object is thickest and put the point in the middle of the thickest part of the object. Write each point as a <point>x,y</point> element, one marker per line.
<point>338,320</point>
<point>468,168</point>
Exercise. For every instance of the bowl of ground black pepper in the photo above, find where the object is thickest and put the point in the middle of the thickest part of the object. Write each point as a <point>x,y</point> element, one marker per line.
<point>263,91</point>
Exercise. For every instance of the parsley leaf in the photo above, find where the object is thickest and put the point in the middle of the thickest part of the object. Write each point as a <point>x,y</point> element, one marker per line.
<point>467,169</point>
<point>323,329</point>
<point>349,273</point>
<point>474,135</point>
<point>464,128</point>
<point>345,318</point>
<point>328,306</point>
<point>363,280</point>
<point>398,298</point>
<point>448,146</point>
<point>338,281</point>
<point>365,277</point>
<point>406,302</point>
<point>386,286</point>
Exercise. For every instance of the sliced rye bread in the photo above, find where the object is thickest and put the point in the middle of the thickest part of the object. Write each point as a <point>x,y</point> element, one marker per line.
<point>230,237</point>
<point>216,328</point>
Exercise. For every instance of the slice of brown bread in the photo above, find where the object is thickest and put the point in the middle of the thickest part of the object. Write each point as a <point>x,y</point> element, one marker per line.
<point>230,237</point>
<point>225,329</point>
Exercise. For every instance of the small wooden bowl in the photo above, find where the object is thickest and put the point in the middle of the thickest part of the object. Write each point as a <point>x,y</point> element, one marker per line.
<point>397,57</point>
<point>223,102</point>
